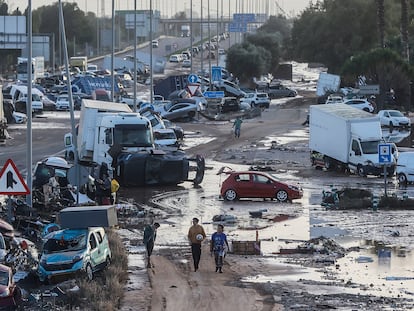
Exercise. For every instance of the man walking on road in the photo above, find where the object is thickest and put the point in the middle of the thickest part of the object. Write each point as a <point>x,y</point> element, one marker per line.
<point>218,244</point>
<point>150,234</point>
<point>196,235</point>
<point>237,127</point>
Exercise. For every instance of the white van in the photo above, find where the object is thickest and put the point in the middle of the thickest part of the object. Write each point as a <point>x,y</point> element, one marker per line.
<point>405,168</point>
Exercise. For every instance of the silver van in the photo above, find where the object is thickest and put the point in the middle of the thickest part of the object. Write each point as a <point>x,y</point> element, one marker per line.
<point>405,168</point>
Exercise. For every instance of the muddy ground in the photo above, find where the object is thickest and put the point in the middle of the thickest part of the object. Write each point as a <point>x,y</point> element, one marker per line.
<point>276,140</point>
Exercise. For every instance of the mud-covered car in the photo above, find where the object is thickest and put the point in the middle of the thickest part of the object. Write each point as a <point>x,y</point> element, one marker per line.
<point>74,251</point>
<point>10,293</point>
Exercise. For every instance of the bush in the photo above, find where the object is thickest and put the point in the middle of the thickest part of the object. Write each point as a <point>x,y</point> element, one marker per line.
<point>106,290</point>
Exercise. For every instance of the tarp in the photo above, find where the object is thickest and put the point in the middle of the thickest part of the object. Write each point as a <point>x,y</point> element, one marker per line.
<point>88,84</point>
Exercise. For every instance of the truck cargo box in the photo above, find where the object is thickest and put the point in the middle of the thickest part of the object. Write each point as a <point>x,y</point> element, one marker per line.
<point>331,127</point>
<point>88,216</point>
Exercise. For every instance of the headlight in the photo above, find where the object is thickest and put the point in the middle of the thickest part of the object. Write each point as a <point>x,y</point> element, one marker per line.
<point>77,258</point>
<point>5,293</point>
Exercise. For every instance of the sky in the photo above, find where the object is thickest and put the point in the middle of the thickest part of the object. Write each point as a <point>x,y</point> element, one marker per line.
<point>290,7</point>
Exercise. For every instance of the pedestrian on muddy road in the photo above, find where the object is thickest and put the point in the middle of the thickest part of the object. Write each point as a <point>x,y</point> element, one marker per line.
<point>218,247</point>
<point>196,235</point>
<point>237,127</point>
<point>150,234</point>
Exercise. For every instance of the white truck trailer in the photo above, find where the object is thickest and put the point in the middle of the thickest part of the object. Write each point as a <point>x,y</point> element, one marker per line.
<point>345,138</point>
<point>110,133</point>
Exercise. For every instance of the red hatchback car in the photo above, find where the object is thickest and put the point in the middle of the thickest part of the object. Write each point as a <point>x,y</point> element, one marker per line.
<point>252,184</point>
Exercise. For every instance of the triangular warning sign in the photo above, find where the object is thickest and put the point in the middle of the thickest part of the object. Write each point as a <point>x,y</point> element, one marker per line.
<point>11,182</point>
<point>192,88</point>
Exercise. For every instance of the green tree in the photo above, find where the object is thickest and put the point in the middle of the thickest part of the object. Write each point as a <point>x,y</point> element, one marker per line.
<point>384,67</point>
<point>79,27</point>
<point>247,60</point>
<point>332,31</point>
<point>270,42</point>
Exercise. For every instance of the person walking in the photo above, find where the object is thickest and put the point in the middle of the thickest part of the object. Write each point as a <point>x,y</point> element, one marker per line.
<point>237,127</point>
<point>150,234</point>
<point>196,235</point>
<point>217,246</point>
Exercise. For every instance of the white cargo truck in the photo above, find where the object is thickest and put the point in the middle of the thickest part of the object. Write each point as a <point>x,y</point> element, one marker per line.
<point>111,133</point>
<point>345,138</point>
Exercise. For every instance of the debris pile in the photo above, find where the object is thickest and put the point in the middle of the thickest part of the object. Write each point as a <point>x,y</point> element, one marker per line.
<point>324,250</point>
<point>347,198</point>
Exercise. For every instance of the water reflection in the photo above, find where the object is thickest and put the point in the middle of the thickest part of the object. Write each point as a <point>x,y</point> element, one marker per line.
<point>402,137</point>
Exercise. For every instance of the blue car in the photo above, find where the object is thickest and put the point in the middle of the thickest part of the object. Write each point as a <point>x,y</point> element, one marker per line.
<point>72,251</point>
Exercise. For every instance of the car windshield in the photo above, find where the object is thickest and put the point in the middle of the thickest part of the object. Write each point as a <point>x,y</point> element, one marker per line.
<point>4,278</point>
<point>396,114</point>
<point>64,244</point>
<point>165,135</point>
<point>370,147</point>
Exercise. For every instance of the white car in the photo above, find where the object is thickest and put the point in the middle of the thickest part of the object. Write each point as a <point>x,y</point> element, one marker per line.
<point>334,99</point>
<point>165,138</point>
<point>393,118</point>
<point>260,100</point>
<point>358,103</point>
<point>405,168</point>
<point>62,102</point>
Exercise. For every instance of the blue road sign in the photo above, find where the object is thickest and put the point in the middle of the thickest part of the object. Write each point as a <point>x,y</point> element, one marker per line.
<point>384,153</point>
<point>213,94</point>
<point>237,27</point>
<point>244,18</point>
<point>192,78</point>
<point>216,73</point>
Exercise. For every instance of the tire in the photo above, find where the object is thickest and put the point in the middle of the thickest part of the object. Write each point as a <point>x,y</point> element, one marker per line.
<point>282,196</point>
<point>230,195</point>
<point>107,262</point>
<point>402,179</point>
<point>89,272</point>
<point>361,171</point>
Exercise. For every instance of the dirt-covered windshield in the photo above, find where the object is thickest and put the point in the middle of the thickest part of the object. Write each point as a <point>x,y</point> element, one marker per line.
<point>65,245</point>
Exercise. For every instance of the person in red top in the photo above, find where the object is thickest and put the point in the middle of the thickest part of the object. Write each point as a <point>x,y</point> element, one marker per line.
<point>196,235</point>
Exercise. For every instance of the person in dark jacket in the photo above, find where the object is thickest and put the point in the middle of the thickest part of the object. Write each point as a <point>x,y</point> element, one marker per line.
<point>150,234</point>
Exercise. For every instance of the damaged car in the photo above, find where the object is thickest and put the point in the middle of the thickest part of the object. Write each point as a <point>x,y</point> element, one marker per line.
<point>252,184</point>
<point>74,251</point>
<point>10,293</point>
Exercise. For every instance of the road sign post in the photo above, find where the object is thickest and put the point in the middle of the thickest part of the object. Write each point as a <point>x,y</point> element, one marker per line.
<point>384,154</point>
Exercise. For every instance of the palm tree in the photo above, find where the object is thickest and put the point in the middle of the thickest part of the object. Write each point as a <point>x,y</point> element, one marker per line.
<point>404,30</point>
<point>381,22</point>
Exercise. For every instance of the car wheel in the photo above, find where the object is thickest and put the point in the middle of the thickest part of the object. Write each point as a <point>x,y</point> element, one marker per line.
<point>89,272</point>
<point>282,196</point>
<point>327,163</point>
<point>107,262</point>
<point>230,195</point>
<point>361,171</point>
<point>292,94</point>
<point>402,179</point>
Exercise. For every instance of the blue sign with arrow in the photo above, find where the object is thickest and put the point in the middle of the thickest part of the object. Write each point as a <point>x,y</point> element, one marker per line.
<point>192,78</point>
<point>213,94</point>
<point>384,153</point>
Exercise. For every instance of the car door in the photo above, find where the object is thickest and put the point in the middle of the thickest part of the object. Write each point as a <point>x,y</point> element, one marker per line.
<point>263,186</point>
<point>243,185</point>
<point>94,251</point>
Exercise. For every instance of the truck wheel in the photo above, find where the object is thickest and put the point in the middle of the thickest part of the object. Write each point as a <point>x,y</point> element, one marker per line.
<point>282,196</point>
<point>327,163</point>
<point>230,195</point>
<point>402,179</point>
<point>361,171</point>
